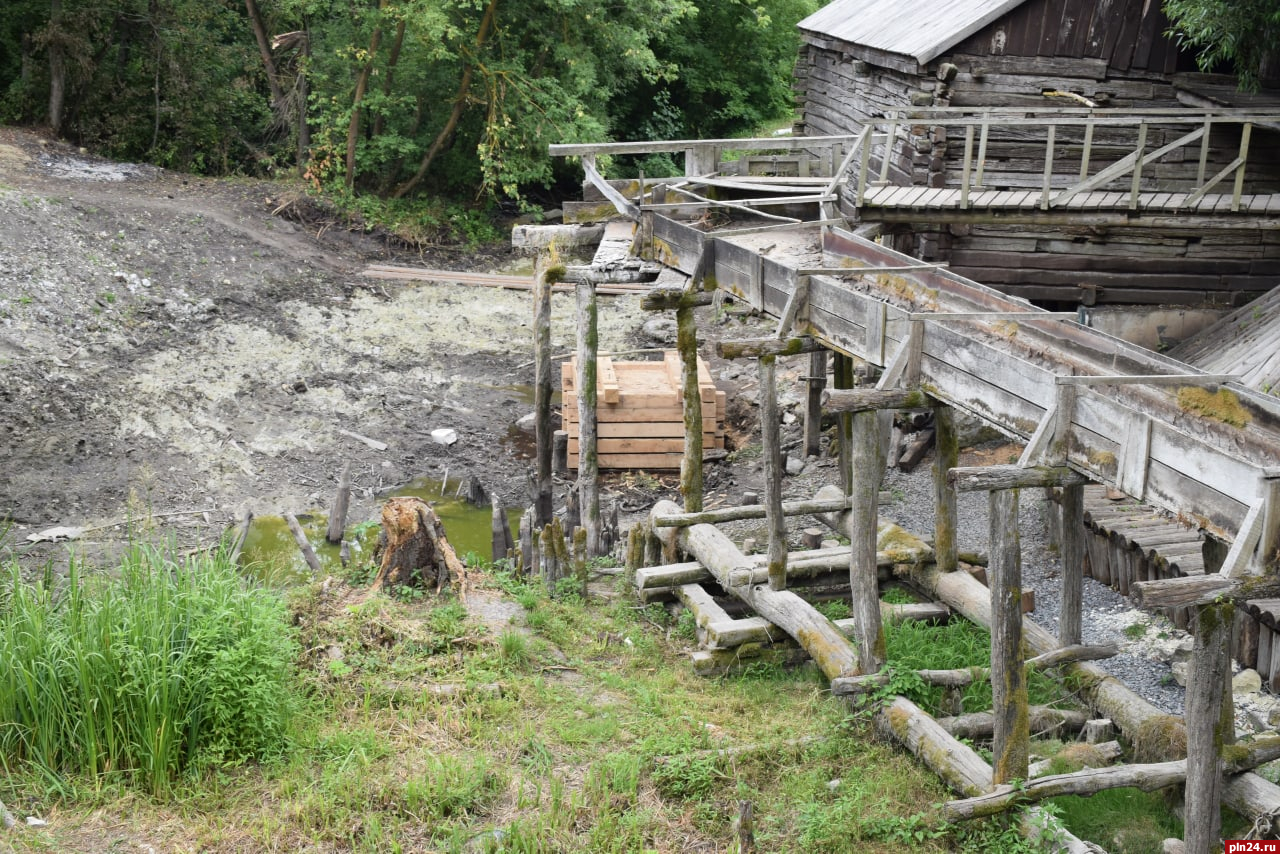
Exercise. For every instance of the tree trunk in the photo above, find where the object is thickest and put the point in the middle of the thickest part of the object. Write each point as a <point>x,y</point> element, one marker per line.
<point>362,84</point>
<point>771,442</point>
<point>691,462</point>
<point>415,551</point>
<point>542,393</point>
<point>455,115</point>
<point>392,60</point>
<point>264,48</point>
<point>57,67</point>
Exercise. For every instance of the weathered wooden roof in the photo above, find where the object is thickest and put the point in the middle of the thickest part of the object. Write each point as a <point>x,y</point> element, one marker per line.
<point>1245,343</point>
<point>922,29</point>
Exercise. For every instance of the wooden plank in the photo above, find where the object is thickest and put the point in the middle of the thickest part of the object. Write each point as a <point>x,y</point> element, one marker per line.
<point>608,380</point>
<point>1131,476</point>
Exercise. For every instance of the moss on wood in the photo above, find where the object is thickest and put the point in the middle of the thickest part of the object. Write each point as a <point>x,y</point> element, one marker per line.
<point>1222,405</point>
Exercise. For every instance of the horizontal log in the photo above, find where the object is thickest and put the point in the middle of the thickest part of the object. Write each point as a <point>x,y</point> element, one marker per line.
<point>965,676</point>
<point>988,478</point>
<point>758,347</point>
<point>1147,777</point>
<point>1041,718</point>
<point>1201,590</point>
<point>734,633</point>
<point>617,273</point>
<point>661,298</point>
<point>868,399</point>
<point>752,511</point>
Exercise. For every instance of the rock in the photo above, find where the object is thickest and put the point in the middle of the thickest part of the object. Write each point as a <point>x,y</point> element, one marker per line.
<point>527,423</point>
<point>444,436</point>
<point>1180,669</point>
<point>1182,652</point>
<point>660,331</point>
<point>1246,682</point>
<point>794,466</point>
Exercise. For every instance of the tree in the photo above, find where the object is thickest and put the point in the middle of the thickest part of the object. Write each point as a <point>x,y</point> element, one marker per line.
<point>1245,33</point>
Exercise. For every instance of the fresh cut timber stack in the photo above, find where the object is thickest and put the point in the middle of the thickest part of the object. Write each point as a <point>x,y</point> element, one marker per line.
<point>639,415</point>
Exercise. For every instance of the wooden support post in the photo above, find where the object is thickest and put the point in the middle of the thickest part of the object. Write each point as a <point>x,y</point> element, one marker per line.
<point>1210,725</point>
<point>946,457</point>
<point>868,460</point>
<point>499,531</point>
<point>237,540</point>
<point>542,392</point>
<point>771,442</point>
<point>842,370</point>
<point>813,402</point>
<point>588,461</point>
<point>1071,553</point>
<point>1012,743</point>
<point>691,463</point>
<point>304,546</point>
<point>341,500</point>
<point>527,549</point>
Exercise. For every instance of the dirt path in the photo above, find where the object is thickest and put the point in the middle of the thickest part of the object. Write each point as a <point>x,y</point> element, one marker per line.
<point>167,344</point>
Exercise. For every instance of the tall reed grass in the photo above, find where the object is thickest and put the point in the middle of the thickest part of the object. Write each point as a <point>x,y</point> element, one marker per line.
<point>154,667</point>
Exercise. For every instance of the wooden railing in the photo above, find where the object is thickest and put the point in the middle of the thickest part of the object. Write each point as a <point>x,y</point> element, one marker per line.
<point>1047,129</point>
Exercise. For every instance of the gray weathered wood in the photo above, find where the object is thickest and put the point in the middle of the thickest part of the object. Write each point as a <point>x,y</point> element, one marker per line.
<point>1201,590</point>
<point>667,297</point>
<point>802,507</point>
<point>341,500</point>
<point>1210,725</point>
<point>588,459</point>
<point>1041,719</point>
<point>238,538</point>
<point>542,392</point>
<point>771,443</point>
<point>817,382</point>
<point>830,650</point>
<point>946,456</point>
<point>1012,738</point>
<point>868,399</point>
<point>304,546</point>
<point>755,348</point>
<point>842,378</point>
<point>499,530</point>
<point>691,397</point>
<point>868,461</point>
<point>969,675</point>
<point>1071,552</point>
<point>990,478</point>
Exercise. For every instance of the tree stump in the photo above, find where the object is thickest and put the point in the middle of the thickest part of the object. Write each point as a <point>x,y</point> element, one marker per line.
<point>414,549</point>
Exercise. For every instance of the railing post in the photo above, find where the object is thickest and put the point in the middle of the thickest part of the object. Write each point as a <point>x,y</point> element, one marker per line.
<point>864,160</point>
<point>968,163</point>
<point>1048,166</point>
<point>1086,151</point>
<point>982,152</point>
<point>1204,153</point>
<point>1245,133</point>
<point>890,137</point>
<point>1137,167</point>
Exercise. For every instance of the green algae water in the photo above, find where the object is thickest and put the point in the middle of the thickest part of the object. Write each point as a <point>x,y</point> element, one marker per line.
<point>271,555</point>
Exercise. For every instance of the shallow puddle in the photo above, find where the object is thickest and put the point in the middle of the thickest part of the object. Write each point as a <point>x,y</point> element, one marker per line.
<point>271,555</point>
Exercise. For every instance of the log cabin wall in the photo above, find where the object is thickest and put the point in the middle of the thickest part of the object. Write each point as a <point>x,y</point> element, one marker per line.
<point>1112,54</point>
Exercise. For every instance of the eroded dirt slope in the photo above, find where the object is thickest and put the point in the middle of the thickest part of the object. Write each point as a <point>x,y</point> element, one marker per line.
<point>168,344</point>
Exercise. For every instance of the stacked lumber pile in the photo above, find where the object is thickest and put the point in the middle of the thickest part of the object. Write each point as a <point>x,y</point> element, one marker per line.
<point>639,413</point>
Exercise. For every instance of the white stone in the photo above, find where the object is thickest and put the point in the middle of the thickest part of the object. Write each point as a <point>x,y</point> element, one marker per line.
<point>1246,682</point>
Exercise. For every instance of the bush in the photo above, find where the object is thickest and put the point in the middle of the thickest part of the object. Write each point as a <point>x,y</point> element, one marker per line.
<point>169,664</point>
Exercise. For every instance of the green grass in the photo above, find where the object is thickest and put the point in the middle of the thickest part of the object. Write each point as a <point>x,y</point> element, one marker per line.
<point>580,728</point>
<point>161,666</point>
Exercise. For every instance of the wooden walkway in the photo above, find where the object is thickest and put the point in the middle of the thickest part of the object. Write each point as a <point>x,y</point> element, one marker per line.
<point>883,198</point>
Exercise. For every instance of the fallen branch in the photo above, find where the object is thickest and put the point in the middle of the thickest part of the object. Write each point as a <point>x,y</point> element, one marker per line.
<point>1041,719</point>
<point>966,676</point>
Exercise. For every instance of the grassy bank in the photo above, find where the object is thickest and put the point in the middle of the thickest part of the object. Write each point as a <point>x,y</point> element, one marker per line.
<point>439,725</point>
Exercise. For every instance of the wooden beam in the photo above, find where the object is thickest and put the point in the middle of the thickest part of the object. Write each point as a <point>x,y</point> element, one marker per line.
<point>1210,724</point>
<point>666,298</point>
<point>830,650</point>
<point>756,348</point>
<point>771,442</point>
<point>1149,379</point>
<point>1071,551</point>
<point>588,461</point>
<point>945,517</point>
<point>991,478</point>
<point>691,395</point>
<point>874,399</point>
<point>542,392</point>
<point>816,381</point>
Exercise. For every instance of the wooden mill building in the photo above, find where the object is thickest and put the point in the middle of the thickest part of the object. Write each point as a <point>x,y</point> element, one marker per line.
<point>1094,161</point>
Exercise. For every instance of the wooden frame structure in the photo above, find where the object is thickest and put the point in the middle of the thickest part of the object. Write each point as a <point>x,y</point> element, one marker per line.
<point>1090,407</point>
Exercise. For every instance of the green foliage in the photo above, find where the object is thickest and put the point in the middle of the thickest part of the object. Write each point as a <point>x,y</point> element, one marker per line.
<point>912,645</point>
<point>172,664</point>
<point>1242,33</point>
<point>1126,821</point>
<point>452,97</point>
